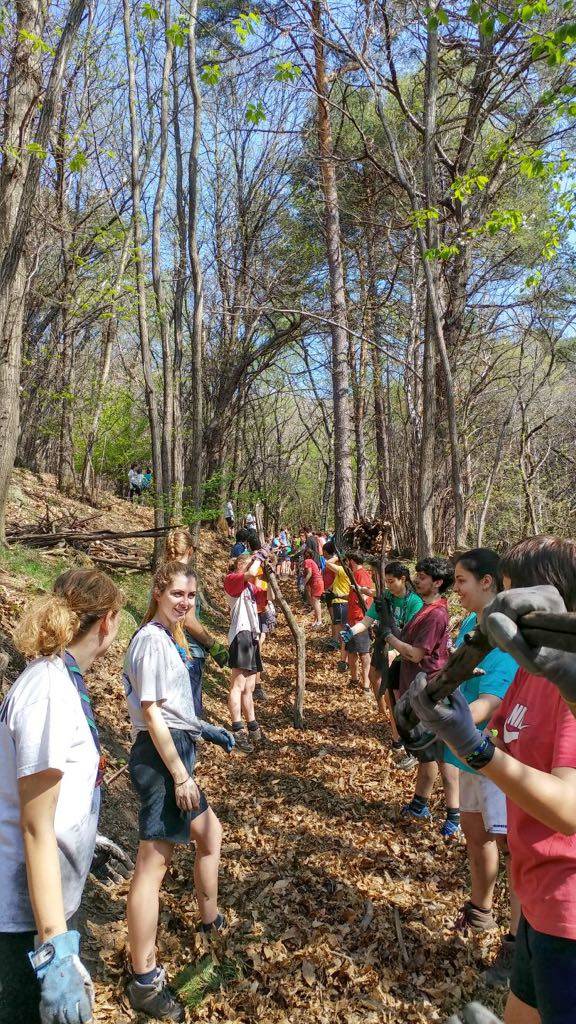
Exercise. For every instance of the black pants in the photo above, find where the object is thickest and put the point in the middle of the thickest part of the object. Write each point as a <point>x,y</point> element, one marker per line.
<point>19,989</point>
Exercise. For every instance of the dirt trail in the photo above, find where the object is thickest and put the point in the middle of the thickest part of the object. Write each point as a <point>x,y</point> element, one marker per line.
<point>316,874</point>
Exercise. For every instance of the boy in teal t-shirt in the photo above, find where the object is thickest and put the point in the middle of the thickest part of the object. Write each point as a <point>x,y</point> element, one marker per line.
<point>499,671</point>
<point>403,608</point>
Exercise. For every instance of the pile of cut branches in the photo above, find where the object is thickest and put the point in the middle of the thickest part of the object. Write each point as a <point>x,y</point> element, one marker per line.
<point>369,539</point>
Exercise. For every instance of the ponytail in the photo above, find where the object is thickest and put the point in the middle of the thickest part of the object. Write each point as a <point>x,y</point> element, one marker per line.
<point>178,543</point>
<point>80,598</point>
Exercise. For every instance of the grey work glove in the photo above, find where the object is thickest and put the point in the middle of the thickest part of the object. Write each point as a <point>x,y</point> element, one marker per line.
<point>500,621</point>
<point>110,863</point>
<point>475,1013</point>
<point>450,720</point>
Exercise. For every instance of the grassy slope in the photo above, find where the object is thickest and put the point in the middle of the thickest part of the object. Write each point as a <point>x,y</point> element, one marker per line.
<point>314,864</point>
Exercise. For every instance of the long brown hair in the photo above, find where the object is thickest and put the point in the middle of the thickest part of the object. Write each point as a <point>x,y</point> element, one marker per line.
<point>79,598</point>
<point>163,578</point>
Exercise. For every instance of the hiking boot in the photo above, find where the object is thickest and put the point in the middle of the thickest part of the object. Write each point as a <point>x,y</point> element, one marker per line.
<point>155,999</point>
<point>260,693</point>
<point>259,739</point>
<point>498,974</point>
<point>410,813</point>
<point>242,741</point>
<point>450,829</point>
<point>475,918</point>
<point>407,762</point>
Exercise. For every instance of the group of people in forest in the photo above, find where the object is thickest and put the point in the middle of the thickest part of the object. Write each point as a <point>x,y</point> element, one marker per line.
<point>505,748</point>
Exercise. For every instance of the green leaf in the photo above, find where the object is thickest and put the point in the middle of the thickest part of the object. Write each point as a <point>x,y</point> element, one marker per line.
<point>177,34</point>
<point>255,112</point>
<point>150,13</point>
<point>35,149</point>
<point>286,71</point>
<point>245,25</point>
<point>78,162</point>
<point>419,218</point>
<point>36,42</point>
<point>487,25</point>
<point>475,13</point>
<point>211,74</point>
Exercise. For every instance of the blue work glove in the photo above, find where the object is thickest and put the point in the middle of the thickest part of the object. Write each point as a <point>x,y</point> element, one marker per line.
<point>220,654</point>
<point>217,734</point>
<point>450,720</point>
<point>346,635</point>
<point>67,993</point>
<point>475,1013</point>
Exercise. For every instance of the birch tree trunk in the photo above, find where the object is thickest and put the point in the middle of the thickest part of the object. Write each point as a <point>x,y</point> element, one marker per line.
<point>343,497</point>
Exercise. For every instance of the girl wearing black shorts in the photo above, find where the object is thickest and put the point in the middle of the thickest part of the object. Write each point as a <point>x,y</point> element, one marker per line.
<point>172,807</point>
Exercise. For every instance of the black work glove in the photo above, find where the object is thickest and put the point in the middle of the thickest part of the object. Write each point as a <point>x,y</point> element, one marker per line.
<point>387,625</point>
<point>475,1013</point>
<point>502,621</point>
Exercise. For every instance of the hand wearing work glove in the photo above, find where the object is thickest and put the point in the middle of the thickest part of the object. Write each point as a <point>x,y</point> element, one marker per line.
<point>346,635</point>
<point>475,1013</point>
<point>110,863</point>
<point>451,721</point>
<point>387,625</point>
<point>500,621</point>
<point>67,993</point>
<point>217,734</point>
<point>220,654</point>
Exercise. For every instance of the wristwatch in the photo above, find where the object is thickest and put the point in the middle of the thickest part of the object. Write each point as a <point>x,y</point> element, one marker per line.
<point>482,756</point>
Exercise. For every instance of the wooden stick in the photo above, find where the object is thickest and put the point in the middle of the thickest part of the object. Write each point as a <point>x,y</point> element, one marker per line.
<point>400,937</point>
<point>299,641</point>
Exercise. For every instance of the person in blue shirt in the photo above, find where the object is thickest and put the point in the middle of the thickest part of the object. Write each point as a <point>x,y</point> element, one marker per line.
<point>241,545</point>
<point>477,580</point>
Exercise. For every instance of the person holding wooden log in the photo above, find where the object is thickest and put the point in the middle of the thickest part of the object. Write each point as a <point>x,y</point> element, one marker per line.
<point>529,752</point>
<point>50,785</point>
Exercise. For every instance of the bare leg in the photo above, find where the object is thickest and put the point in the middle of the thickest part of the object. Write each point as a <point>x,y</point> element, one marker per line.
<point>451,783</point>
<point>515,908</point>
<point>483,859</point>
<point>248,699</point>
<point>517,1012</point>
<point>425,779</point>
<point>352,667</point>
<point>206,833</point>
<point>390,706</point>
<point>237,687</point>
<point>365,668</point>
<point>317,610</point>
<point>152,862</point>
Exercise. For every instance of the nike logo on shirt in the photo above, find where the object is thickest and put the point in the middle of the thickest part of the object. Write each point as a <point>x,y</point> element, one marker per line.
<point>514,723</point>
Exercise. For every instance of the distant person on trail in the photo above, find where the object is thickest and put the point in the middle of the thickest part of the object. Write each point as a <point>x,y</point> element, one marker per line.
<point>313,583</point>
<point>423,646</point>
<point>245,661</point>
<point>229,517</point>
<point>173,810</point>
<point>50,782</point>
<point>250,521</point>
<point>180,548</point>
<point>147,480</point>
<point>134,482</point>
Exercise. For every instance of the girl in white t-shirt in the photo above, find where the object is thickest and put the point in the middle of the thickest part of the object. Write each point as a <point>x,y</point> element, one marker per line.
<point>173,809</point>
<point>50,798</point>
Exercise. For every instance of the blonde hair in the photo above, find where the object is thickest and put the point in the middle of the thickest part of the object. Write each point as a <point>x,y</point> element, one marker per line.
<point>79,598</point>
<point>178,543</point>
<point>241,560</point>
<point>163,577</point>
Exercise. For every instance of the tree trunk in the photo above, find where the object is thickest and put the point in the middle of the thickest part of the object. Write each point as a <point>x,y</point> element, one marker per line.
<point>196,396</point>
<point>179,292</point>
<point>109,335</point>
<point>426,476</point>
<point>145,351</point>
<point>19,177</point>
<point>66,474</point>
<point>343,497</point>
<point>488,488</point>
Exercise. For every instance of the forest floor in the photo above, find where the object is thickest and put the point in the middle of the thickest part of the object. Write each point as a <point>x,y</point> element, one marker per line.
<point>337,912</point>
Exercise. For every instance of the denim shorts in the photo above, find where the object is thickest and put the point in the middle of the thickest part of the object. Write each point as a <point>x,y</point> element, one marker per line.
<point>544,974</point>
<point>160,817</point>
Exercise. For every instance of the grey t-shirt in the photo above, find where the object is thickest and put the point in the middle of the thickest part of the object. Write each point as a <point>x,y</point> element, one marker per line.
<point>154,671</point>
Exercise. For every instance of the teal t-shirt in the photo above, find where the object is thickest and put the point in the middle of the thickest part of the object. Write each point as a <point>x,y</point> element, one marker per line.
<point>403,608</point>
<point>499,671</point>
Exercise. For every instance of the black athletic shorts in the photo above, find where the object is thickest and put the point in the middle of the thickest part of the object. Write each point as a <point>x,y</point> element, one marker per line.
<point>339,611</point>
<point>544,974</point>
<point>360,643</point>
<point>245,653</point>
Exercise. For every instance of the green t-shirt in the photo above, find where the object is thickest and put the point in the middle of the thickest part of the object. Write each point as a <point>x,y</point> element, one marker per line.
<point>403,608</point>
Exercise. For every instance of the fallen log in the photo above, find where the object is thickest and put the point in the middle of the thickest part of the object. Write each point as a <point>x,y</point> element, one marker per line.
<point>49,539</point>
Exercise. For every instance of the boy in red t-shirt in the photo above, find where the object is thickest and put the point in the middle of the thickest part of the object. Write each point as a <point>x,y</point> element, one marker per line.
<point>314,584</point>
<point>532,759</point>
<point>358,647</point>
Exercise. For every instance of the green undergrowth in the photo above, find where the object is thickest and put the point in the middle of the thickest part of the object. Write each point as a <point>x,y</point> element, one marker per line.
<point>40,570</point>
<point>209,974</point>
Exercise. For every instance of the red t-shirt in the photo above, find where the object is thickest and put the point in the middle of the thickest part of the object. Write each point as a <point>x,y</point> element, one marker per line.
<point>316,583</point>
<point>328,576</point>
<point>429,629</point>
<point>355,613</point>
<point>537,728</point>
<point>234,583</point>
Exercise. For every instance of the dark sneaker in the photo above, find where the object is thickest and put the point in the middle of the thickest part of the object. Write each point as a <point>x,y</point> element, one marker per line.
<point>155,999</point>
<point>450,829</point>
<point>475,918</point>
<point>342,666</point>
<point>260,693</point>
<point>218,925</point>
<point>259,739</point>
<point>410,813</point>
<point>498,975</point>
<point>242,741</point>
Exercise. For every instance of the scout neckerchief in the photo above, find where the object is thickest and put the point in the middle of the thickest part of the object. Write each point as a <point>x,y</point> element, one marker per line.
<point>188,661</point>
<point>78,680</point>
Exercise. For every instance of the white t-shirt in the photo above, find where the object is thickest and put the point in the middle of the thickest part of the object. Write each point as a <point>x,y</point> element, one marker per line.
<point>250,520</point>
<point>229,511</point>
<point>154,670</point>
<point>43,725</point>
